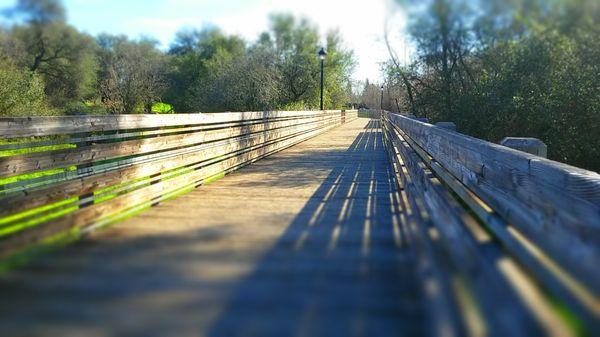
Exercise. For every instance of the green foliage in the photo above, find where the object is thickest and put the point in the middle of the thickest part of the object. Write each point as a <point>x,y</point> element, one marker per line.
<point>204,70</point>
<point>295,51</point>
<point>201,62</point>
<point>21,92</point>
<point>522,68</point>
<point>85,108</point>
<point>339,66</point>
<point>45,45</point>
<point>216,72</point>
<point>162,108</point>
<point>295,106</point>
<point>62,56</point>
<point>133,74</point>
<point>41,11</point>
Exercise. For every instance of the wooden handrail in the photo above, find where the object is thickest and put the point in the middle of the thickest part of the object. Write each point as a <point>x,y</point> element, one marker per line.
<point>75,173</point>
<point>544,213</point>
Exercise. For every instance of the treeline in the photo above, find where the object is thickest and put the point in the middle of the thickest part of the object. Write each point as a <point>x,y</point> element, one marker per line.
<point>49,67</point>
<point>506,68</point>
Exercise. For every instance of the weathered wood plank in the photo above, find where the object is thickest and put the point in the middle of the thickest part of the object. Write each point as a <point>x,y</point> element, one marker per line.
<point>27,163</point>
<point>503,311</point>
<point>526,191</point>
<point>205,265</point>
<point>13,127</point>
<point>199,154</point>
<point>88,184</point>
<point>120,135</point>
<point>550,276</point>
<point>439,294</point>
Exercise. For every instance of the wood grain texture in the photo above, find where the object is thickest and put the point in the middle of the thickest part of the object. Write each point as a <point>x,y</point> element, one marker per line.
<point>21,164</point>
<point>13,127</point>
<point>353,231</point>
<point>306,242</point>
<point>503,311</point>
<point>122,174</point>
<point>554,204</point>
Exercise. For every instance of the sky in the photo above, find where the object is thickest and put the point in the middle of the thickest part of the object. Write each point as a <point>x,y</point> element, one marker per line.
<point>360,22</point>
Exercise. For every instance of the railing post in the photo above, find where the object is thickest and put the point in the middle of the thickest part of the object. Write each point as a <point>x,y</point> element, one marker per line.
<point>446,125</point>
<point>529,145</point>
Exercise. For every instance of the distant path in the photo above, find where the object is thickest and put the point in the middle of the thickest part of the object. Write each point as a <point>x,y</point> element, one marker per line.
<point>304,243</point>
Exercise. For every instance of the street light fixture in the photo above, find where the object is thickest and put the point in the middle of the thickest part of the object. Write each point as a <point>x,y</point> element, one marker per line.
<point>381,102</point>
<point>322,53</point>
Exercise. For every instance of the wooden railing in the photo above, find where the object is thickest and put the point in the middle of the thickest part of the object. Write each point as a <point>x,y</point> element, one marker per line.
<point>544,214</point>
<point>68,175</point>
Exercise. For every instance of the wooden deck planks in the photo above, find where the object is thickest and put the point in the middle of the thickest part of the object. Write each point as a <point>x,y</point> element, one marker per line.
<point>305,242</point>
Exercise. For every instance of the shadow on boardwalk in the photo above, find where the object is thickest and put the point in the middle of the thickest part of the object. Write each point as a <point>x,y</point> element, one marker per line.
<point>341,268</point>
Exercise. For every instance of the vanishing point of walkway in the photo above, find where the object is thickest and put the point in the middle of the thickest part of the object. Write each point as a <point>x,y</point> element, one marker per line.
<point>306,242</point>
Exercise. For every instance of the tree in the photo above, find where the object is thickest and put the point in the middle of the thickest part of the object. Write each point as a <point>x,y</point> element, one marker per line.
<point>200,60</point>
<point>217,72</point>
<point>371,96</point>
<point>133,74</point>
<point>517,68</point>
<point>60,54</point>
<point>40,12</point>
<point>339,65</point>
<point>21,91</point>
<point>295,50</point>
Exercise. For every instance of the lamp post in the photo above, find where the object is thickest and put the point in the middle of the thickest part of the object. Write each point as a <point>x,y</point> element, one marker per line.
<point>322,55</point>
<point>381,102</point>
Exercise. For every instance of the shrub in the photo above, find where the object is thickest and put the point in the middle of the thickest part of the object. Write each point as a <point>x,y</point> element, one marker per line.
<point>21,92</point>
<point>162,108</point>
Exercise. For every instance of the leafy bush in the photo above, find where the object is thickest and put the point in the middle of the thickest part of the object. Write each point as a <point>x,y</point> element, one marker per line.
<point>162,108</point>
<point>85,108</point>
<point>21,92</point>
<point>497,71</point>
<point>294,106</point>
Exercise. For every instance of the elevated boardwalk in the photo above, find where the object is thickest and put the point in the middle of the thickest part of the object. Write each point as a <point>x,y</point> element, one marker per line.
<point>306,242</point>
<point>340,227</point>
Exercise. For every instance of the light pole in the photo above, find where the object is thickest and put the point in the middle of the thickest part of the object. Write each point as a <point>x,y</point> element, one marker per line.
<point>381,102</point>
<point>322,55</point>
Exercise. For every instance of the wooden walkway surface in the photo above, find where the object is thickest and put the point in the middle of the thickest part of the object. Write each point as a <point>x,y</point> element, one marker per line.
<point>306,242</point>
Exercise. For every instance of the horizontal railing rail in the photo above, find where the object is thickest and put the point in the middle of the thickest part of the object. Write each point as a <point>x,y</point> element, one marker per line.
<point>545,214</point>
<point>66,175</point>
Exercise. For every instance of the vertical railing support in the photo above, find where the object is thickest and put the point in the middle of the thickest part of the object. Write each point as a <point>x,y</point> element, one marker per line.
<point>529,145</point>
